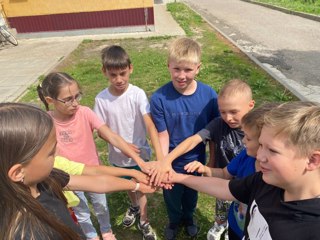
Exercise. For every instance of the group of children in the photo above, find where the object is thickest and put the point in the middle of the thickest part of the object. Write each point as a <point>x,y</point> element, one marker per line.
<point>265,160</point>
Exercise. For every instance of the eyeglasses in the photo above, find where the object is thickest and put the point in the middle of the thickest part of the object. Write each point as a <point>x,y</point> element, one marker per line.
<point>69,100</point>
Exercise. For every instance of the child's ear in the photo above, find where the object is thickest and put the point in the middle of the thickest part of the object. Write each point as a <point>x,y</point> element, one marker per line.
<point>16,173</point>
<point>103,70</point>
<point>251,104</point>
<point>49,100</point>
<point>314,161</point>
<point>131,68</point>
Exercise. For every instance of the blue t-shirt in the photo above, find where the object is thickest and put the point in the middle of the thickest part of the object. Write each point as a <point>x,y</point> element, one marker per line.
<point>240,167</point>
<point>183,116</point>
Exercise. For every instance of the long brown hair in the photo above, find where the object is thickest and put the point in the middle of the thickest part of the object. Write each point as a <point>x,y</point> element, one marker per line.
<point>23,131</point>
<point>51,85</point>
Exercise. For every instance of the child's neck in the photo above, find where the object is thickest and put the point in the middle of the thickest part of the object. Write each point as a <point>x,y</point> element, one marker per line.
<point>116,92</point>
<point>303,193</point>
<point>190,89</point>
<point>34,191</point>
<point>60,117</point>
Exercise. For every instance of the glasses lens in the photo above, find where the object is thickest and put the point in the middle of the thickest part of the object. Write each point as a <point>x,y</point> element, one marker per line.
<point>78,97</point>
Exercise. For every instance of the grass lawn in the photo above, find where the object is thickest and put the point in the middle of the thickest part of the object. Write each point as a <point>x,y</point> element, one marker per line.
<point>306,6</point>
<point>220,63</point>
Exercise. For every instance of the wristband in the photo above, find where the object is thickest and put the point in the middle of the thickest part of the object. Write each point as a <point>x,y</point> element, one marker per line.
<point>136,188</point>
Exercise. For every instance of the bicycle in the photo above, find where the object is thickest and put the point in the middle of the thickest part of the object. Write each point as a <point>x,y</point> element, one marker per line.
<point>6,36</point>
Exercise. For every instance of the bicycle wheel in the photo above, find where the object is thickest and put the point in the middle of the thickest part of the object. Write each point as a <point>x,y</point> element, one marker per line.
<point>8,36</point>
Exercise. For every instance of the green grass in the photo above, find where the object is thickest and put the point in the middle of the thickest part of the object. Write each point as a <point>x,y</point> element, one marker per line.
<point>306,6</point>
<point>220,63</point>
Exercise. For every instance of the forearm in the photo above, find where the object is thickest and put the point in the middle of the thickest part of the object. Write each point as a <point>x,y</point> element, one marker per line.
<point>216,187</point>
<point>106,184</point>
<point>183,148</point>
<point>107,170</point>
<point>153,133</point>
<point>118,142</point>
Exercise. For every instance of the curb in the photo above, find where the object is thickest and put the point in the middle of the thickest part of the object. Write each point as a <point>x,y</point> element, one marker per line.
<point>280,78</point>
<point>281,9</point>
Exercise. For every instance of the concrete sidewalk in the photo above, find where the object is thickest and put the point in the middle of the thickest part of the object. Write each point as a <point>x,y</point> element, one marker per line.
<point>22,65</point>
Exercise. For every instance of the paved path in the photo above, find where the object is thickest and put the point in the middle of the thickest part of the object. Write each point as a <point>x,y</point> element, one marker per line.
<point>21,66</point>
<point>286,46</point>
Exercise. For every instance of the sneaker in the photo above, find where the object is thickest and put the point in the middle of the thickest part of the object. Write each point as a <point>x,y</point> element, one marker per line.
<point>192,229</point>
<point>147,231</point>
<point>108,236</point>
<point>131,216</point>
<point>171,232</point>
<point>216,231</point>
<point>226,235</point>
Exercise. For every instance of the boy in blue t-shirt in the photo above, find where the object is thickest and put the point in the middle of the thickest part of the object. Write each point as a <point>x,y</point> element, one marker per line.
<point>234,101</point>
<point>180,109</point>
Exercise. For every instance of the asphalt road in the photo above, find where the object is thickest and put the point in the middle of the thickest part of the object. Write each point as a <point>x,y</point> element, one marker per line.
<point>284,44</point>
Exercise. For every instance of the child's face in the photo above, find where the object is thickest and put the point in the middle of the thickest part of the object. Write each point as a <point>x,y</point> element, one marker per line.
<point>118,78</point>
<point>232,109</point>
<point>279,161</point>
<point>66,102</point>
<point>182,74</point>
<point>41,164</point>
<point>251,141</point>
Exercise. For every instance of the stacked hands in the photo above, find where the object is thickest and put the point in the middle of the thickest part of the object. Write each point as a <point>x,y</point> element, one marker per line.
<point>159,174</point>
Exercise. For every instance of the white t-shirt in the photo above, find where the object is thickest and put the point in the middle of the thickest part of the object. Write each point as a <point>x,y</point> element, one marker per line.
<point>124,115</point>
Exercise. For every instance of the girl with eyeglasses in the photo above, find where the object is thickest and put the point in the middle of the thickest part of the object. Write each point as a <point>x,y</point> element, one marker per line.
<point>75,125</point>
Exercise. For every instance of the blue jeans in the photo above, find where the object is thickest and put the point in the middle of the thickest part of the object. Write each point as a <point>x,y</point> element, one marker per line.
<point>181,203</point>
<point>82,212</point>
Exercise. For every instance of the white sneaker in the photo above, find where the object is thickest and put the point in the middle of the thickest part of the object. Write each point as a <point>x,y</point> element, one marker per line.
<point>216,231</point>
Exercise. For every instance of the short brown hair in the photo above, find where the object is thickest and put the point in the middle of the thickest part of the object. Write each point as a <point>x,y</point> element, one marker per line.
<point>254,118</point>
<point>299,123</point>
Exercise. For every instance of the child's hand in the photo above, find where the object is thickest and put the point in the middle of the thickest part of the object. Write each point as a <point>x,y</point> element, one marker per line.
<point>134,148</point>
<point>145,188</point>
<point>148,167</point>
<point>141,177</point>
<point>163,170</point>
<point>195,166</point>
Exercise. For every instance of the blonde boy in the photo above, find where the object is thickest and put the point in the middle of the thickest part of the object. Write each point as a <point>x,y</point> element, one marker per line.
<point>234,101</point>
<point>180,109</point>
<point>283,199</point>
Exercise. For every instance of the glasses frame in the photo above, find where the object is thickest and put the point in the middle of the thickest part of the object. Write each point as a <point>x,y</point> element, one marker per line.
<point>68,103</point>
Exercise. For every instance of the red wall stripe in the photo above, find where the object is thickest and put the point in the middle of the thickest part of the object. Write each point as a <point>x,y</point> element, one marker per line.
<point>85,20</point>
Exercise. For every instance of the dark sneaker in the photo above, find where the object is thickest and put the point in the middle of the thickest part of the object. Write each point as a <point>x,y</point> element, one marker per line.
<point>130,217</point>
<point>192,229</point>
<point>171,232</point>
<point>147,231</point>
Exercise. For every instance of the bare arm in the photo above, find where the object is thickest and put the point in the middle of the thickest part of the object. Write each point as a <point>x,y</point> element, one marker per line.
<point>196,166</point>
<point>164,142</point>
<point>211,154</point>
<point>106,184</point>
<point>153,133</point>
<point>216,187</point>
<point>116,172</point>
<point>184,147</point>
<point>108,135</point>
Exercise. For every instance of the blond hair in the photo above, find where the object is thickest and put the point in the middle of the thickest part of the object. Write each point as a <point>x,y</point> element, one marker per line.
<point>235,87</point>
<point>298,123</point>
<point>254,119</point>
<point>184,49</point>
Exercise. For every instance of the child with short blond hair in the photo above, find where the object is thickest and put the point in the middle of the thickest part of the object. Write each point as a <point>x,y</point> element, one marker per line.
<point>283,199</point>
<point>180,109</point>
<point>234,101</point>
